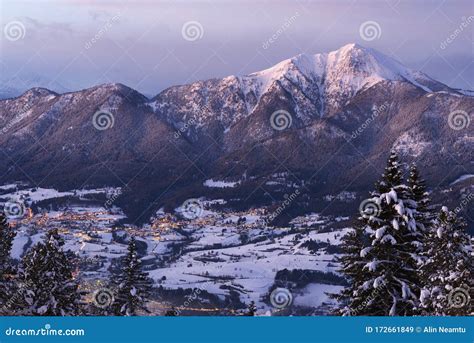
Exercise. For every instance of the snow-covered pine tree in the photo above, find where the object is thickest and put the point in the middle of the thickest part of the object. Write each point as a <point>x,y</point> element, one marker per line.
<point>447,268</point>
<point>424,215</point>
<point>392,253</point>
<point>48,286</point>
<point>7,235</point>
<point>352,300</point>
<point>133,285</point>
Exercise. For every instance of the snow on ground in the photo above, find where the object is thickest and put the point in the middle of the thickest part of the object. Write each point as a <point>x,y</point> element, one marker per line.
<point>220,184</point>
<point>8,187</point>
<point>250,268</point>
<point>462,178</point>
<point>342,196</point>
<point>410,143</point>
<point>18,245</point>
<point>314,295</point>
<point>33,195</point>
<point>218,251</point>
<point>308,220</point>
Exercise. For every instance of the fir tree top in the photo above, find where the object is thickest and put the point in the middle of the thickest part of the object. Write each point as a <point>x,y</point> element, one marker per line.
<point>417,186</point>
<point>392,175</point>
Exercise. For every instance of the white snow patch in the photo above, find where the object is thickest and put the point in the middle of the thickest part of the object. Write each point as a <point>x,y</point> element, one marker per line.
<point>314,295</point>
<point>410,143</point>
<point>462,178</point>
<point>220,184</point>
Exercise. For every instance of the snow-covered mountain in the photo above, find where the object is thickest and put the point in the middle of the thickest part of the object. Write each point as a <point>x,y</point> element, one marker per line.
<point>342,112</point>
<point>340,74</point>
<point>320,84</point>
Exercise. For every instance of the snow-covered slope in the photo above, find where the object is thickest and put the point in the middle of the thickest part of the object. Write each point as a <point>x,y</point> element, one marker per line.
<point>339,74</point>
<point>318,84</point>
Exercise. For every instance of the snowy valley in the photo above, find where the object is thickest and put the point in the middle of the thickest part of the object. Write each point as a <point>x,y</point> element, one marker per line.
<point>231,257</point>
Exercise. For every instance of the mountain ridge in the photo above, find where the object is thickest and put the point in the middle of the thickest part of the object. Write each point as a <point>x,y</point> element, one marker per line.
<point>163,149</point>
<point>318,58</point>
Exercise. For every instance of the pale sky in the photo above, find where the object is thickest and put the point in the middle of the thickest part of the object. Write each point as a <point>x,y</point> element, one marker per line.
<point>145,45</point>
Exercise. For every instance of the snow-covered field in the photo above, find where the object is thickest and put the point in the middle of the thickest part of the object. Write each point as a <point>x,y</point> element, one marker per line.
<point>33,195</point>
<point>224,253</point>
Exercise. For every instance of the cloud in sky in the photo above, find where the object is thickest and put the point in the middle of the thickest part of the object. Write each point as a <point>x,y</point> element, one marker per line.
<point>141,43</point>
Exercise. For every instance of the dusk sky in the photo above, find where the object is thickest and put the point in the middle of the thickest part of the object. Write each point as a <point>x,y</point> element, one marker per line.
<point>151,45</point>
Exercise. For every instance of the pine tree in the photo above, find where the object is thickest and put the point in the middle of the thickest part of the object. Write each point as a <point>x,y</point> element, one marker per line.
<point>48,287</point>
<point>423,215</point>
<point>7,271</point>
<point>447,269</point>
<point>353,298</point>
<point>133,284</point>
<point>385,272</point>
<point>395,243</point>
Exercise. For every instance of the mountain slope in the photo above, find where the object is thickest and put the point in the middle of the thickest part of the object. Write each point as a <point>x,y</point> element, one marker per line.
<point>344,111</point>
<point>320,84</point>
